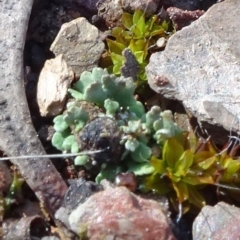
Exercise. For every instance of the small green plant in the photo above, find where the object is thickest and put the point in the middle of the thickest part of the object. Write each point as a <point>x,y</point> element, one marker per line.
<point>104,115</point>
<point>12,194</point>
<point>187,165</point>
<point>136,34</point>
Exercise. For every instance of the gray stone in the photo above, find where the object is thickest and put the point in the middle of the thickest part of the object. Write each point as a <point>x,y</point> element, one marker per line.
<point>220,222</point>
<point>200,66</point>
<point>80,44</point>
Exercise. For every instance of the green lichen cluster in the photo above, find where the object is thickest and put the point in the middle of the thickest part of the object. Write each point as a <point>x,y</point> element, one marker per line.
<point>113,98</point>
<point>137,34</point>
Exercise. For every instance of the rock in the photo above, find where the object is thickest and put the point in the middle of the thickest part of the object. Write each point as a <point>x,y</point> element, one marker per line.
<point>5,178</point>
<point>182,18</point>
<point>80,44</point>
<point>149,7</point>
<point>183,4</point>
<point>90,5</point>
<point>111,11</point>
<point>46,21</point>
<point>190,5</point>
<point>117,213</point>
<point>200,67</point>
<point>78,192</point>
<point>220,222</point>
<point>33,227</point>
<point>54,81</point>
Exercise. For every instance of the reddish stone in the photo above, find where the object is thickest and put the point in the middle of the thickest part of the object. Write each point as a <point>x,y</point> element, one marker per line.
<point>182,18</point>
<point>118,213</point>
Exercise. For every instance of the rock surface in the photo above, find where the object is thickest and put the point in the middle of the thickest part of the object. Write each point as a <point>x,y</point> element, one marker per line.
<point>182,18</point>
<point>201,67</point>
<point>80,44</point>
<point>220,222</point>
<point>189,4</point>
<point>54,81</point>
<point>111,11</point>
<point>5,178</point>
<point>116,213</point>
<point>17,134</point>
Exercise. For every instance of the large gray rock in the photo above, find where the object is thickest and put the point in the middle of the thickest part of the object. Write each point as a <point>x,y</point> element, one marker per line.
<point>220,222</point>
<point>201,66</point>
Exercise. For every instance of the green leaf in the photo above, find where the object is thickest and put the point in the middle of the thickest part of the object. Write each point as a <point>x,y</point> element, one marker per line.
<point>75,147</point>
<point>137,45</point>
<point>141,23</point>
<point>140,169</point>
<point>198,179</point>
<point>127,20</point>
<point>172,151</point>
<point>159,165</point>
<point>181,190</point>
<point>68,142</point>
<point>158,184</point>
<point>183,164</point>
<point>115,47</point>
<point>117,59</point>
<point>142,153</point>
<point>136,32</point>
<point>60,124</point>
<point>75,114</point>
<point>81,160</point>
<point>132,144</point>
<point>157,30</point>
<point>111,106</point>
<point>150,23</point>
<point>58,139</point>
<point>207,163</point>
<point>137,16</point>
<point>139,56</point>
<point>137,108</point>
<point>75,94</point>
<point>109,173</point>
<point>195,197</point>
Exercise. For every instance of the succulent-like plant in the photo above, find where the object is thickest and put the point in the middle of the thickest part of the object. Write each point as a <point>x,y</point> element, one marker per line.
<point>187,165</point>
<point>136,34</point>
<point>104,115</point>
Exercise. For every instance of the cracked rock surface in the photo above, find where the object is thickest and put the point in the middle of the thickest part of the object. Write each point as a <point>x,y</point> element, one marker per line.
<point>201,67</point>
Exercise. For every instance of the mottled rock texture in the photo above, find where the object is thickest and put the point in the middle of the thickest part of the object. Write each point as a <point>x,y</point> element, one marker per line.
<point>201,67</point>
<point>80,44</point>
<point>220,222</point>
<point>116,213</point>
<point>54,81</point>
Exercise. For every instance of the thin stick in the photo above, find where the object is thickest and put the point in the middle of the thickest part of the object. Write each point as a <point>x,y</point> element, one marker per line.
<point>60,155</point>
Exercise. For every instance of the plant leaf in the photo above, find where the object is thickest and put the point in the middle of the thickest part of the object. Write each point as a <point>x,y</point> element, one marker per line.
<point>127,20</point>
<point>183,164</point>
<point>115,47</point>
<point>195,197</point>
<point>181,191</point>
<point>159,165</point>
<point>172,151</point>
